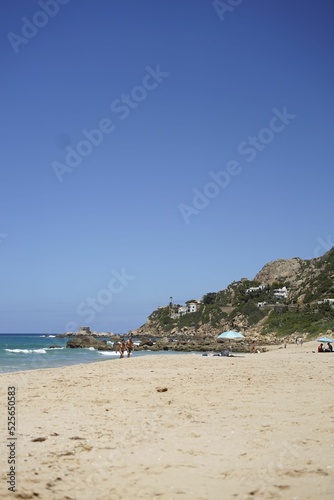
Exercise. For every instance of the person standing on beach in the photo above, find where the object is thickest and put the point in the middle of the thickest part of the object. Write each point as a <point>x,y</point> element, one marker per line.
<point>129,346</point>
<point>121,349</point>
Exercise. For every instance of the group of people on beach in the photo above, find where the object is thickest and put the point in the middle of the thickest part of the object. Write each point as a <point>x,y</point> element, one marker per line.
<point>127,346</point>
<point>329,347</point>
<point>298,341</point>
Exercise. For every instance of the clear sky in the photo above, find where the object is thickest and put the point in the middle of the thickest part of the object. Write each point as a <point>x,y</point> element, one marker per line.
<point>158,148</point>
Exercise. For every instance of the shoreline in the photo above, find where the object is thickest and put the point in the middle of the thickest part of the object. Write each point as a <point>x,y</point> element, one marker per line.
<point>103,359</point>
<point>258,425</point>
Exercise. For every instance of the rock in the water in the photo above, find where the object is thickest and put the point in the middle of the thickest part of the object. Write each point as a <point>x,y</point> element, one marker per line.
<point>85,341</point>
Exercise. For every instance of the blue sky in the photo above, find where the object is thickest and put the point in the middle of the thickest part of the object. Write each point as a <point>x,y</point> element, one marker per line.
<point>183,94</point>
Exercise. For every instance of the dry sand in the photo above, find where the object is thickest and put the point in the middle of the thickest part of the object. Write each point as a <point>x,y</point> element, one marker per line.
<point>258,426</point>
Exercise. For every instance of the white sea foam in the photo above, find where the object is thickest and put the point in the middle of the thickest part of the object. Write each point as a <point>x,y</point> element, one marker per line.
<point>27,351</point>
<point>109,353</point>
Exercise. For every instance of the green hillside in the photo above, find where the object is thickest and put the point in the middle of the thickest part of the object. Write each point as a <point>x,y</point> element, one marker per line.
<point>237,307</point>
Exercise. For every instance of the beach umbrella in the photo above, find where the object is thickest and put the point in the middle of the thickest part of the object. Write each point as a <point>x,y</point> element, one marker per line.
<point>230,335</point>
<point>325,339</point>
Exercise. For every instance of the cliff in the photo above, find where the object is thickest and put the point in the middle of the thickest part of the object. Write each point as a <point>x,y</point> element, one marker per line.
<point>260,306</point>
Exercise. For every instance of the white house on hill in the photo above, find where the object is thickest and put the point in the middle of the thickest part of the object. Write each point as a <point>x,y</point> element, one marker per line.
<point>192,307</point>
<point>326,301</point>
<point>182,310</point>
<point>255,289</point>
<point>281,293</point>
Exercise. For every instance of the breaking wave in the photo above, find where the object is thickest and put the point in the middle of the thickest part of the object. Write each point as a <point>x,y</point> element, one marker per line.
<point>27,351</point>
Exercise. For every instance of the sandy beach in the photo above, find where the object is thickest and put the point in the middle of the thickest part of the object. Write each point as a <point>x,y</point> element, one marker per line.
<point>252,426</point>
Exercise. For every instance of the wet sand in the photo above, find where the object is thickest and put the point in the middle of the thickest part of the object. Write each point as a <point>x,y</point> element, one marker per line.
<point>254,426</point>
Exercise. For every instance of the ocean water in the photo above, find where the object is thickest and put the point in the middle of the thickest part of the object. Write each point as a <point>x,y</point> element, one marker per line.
<point>32,351</point>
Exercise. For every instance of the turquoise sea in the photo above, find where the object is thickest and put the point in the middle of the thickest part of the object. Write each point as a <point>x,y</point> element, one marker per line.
<point>32,351</point>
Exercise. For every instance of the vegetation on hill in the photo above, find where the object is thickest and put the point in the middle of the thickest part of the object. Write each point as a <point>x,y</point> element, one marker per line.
<point>310,321</point>
<point>308,282</point>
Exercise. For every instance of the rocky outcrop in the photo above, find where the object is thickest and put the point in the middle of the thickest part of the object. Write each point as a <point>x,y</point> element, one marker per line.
<point>279,270</point>
<point>85,341</point>
<point>199,344</point>
<point>105,335</point>
<point>152,329</point>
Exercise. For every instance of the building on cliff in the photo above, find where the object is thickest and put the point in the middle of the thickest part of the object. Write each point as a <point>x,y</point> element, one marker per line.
<point>84,330</point>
